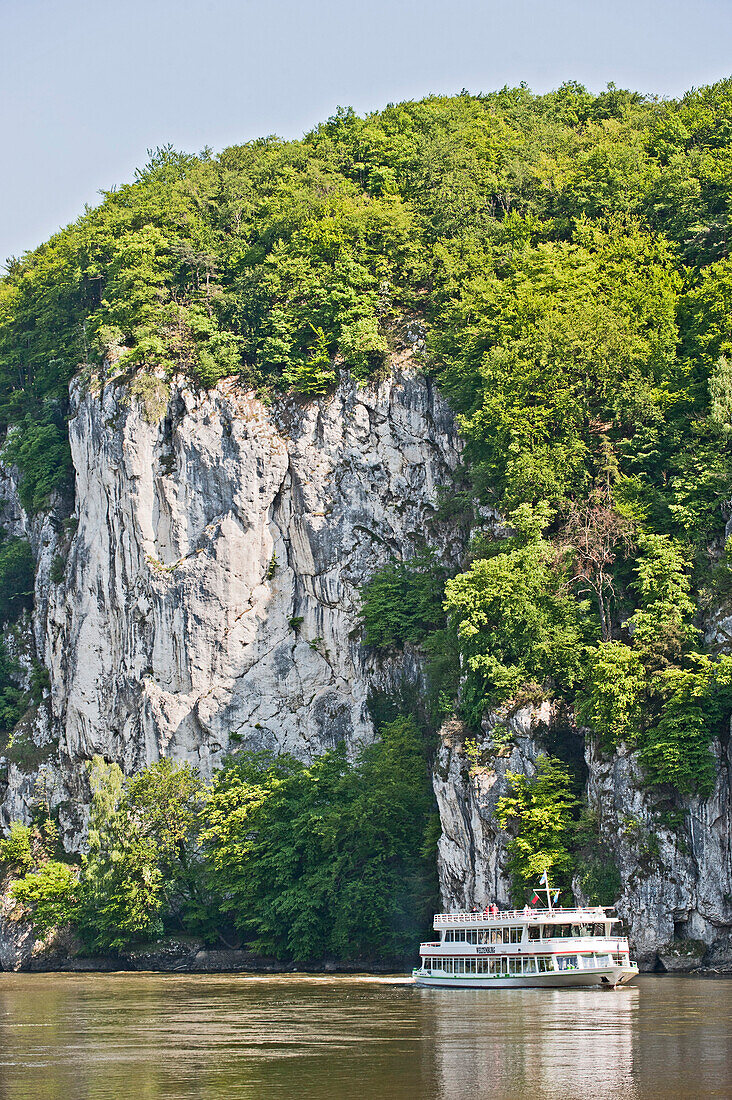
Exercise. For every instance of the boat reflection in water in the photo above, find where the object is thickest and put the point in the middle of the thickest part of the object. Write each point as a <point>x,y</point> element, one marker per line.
<point>516,1043</point>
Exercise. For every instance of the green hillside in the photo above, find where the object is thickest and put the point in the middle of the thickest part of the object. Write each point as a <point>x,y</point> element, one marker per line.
<point>568,255</point>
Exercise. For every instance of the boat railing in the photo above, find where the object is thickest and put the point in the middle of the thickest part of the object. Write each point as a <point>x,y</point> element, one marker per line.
<point>570,944</point>
<point>593,913</point>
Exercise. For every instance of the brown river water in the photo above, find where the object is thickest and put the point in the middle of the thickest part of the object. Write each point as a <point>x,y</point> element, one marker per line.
<point>171,1037</point>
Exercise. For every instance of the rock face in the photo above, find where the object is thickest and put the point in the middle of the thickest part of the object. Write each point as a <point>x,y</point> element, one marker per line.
<point>210,595</point>
<point>204,594</point>
<point>676,876</point>
<point>471,852</point>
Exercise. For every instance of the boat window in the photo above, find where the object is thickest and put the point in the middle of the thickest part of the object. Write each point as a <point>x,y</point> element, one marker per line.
<point>599,930</point>
<point>577,930</point>
<point>534,931</point>
<point>448,937</point>
<point>472,936</point>
<point>483,936</point>
<point>514,935</point>
<point>546,963</point>
<point>496,936</point>
<point>567,962</point>
<point>514,966</point>
<point>530,965</point>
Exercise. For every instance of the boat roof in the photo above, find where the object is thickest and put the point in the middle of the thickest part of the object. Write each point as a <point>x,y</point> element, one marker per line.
<point>585,915</point>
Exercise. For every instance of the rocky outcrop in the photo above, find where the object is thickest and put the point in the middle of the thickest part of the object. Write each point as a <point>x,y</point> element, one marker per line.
<point>202,593</point>
<point>21,946</point>
<point>675,870</point>
<point>471,852</point>
<point>212,567</point>
<point>17,936</point>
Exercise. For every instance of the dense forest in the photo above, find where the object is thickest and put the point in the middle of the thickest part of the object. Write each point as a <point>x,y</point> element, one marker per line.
<point>567,256</point>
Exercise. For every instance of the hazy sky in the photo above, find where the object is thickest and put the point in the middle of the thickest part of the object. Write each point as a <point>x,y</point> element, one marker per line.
<point>87,86</point>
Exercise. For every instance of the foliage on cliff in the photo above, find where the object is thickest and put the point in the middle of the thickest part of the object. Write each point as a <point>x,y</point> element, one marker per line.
<point>541,812</point>
<point>568,257</point>
<point>328,859</point>
<point>301,862</point>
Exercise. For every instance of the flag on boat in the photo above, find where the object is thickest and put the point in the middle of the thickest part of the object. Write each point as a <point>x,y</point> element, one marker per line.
<point>544,880</point>
<point>534,899</point>
<point>556,896</point>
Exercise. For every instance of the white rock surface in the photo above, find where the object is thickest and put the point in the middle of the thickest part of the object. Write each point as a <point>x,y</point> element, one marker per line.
<point>676,883</point>
<point>211,592</point>
<point>211,598</point>
<point>471,853</point>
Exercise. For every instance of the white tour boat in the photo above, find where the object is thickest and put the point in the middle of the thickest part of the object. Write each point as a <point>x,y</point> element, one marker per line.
<point>524,948</point>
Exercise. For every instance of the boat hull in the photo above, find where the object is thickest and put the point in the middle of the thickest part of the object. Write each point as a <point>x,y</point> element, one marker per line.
<point>602,976</point>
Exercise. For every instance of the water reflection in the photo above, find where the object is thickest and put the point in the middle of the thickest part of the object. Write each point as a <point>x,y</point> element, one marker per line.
<point>154,1037</point>
<point>535,1042</point>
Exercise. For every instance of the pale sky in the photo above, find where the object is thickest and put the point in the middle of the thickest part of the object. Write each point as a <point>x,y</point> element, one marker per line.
<point>87,86</point>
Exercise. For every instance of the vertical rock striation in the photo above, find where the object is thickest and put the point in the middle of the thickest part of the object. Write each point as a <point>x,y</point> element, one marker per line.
<point>210,599</point>
<point>676,875</point>
<point>211,588</point>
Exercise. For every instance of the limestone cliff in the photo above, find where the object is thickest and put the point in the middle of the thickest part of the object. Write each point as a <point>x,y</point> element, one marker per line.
<point>675,875</point>
<point>210,593</point>
<point>203,593</point>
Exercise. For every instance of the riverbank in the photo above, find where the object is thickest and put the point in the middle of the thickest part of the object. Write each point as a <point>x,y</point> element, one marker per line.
<point>187,956</point>
<point>182,955</point>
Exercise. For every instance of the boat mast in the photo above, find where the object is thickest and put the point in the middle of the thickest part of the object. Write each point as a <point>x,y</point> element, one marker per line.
<point>548,893</point>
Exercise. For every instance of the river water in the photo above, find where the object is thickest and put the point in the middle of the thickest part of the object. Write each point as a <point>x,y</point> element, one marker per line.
<point>170,1037</point>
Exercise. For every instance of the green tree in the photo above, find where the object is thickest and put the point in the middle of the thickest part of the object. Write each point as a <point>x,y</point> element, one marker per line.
<point>314,374</point>
<point>16,853</point>
<point>121,888</point>
<point>611,699</point>
<point>696,705</point>
<point>50,895</point>
<point>539,811</point>
<point>13,699</point>
<point>662,627</point>
<point>164,806</point>
<point>517,623</point>
<point>402,601</point>
<point>326,859</point>
<point>17,571</point>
